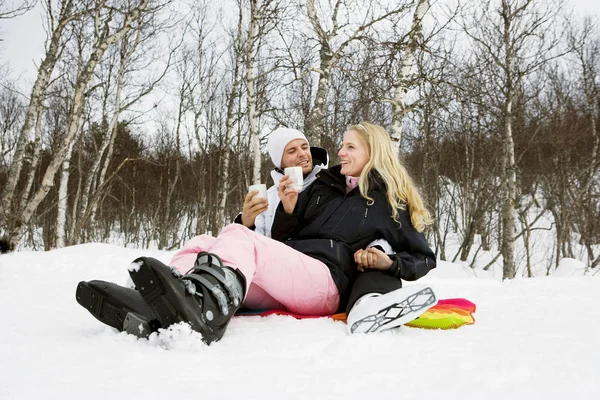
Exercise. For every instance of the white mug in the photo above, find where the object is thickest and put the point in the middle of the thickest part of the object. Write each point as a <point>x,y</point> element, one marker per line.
<point>295,174</point>
<point>262,190</point>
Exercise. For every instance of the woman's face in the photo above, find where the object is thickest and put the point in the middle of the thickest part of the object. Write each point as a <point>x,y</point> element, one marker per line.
<point>353,154</point>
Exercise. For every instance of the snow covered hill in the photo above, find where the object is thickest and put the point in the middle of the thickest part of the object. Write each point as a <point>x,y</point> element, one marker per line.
<point>533,339</point>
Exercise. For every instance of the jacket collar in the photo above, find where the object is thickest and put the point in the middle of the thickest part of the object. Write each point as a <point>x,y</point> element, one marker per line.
<point>333,177</point>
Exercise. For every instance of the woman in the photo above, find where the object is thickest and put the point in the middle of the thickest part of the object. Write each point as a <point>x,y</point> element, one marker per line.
<point>368,196</point>
<point>324,229</point>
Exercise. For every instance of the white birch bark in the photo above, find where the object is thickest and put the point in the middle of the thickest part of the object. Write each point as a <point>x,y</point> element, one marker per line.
<point>102,41</point>
<point>316,128</point>
<point>35,159</point>
<point>512,40</point>
<point>108,145</point>
<point>97,178</point>
<point>251,54</point>
<point>224,190</point>
<point>586,46</point>
<point>63,195</point>
<point>164,229</point>
<point>509,195</point>
<point>38,93</point>
<point>408,62</point>
<point>329,57</point>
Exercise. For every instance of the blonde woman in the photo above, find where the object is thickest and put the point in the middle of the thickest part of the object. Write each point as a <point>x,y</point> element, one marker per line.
<point>368,196</point>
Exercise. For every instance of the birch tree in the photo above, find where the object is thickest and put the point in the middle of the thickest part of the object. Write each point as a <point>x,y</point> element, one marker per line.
<point>110,24</point>
<point>199,72</point>
<point>62,202</point>
<point>333,37</point>
<point>233,96</point>
<point>513,39</point>
<point>57,24</point>
<point>263,17</point>
<point>130,58</point>
<point>585,43</point>
<point>400,89</point>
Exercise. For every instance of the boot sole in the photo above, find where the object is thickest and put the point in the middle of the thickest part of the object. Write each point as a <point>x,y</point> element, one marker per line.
<point>154,293</point>
<point>397,313</point>
<point>99,305</point>
<point>167,297</point>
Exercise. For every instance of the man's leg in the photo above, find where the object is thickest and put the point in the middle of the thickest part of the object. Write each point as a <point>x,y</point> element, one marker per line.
<point>300,283</point>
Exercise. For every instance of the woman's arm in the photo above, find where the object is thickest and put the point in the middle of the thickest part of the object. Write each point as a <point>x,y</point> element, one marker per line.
<point>415,258</point>
<point>289,215</point>
<point>411,257</point>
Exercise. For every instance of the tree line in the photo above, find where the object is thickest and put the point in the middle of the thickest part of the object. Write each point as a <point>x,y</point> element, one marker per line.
<point>146,119</point>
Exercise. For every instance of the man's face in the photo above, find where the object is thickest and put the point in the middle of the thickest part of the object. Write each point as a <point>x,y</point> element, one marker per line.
<point>297,154</point>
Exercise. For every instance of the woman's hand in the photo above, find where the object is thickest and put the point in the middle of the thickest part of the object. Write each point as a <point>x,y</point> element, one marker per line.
<point>372,258</point>
<point>288,195</point>
<point>253,207</point>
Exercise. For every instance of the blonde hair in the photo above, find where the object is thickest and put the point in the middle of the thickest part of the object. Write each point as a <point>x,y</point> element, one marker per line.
<point>401,189</point>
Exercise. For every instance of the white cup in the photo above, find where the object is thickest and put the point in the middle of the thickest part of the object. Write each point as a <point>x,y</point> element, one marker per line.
<point>295,174</point>
<point>262,190</point>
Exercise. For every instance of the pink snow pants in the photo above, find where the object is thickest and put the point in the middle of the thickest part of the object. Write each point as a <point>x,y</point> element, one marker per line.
<point>277,276</point>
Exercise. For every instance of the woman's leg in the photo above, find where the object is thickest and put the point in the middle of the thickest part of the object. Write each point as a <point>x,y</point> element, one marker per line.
<point>300,283</point>
<point>379,302</point>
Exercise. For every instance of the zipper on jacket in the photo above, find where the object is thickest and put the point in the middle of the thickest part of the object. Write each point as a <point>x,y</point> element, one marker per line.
<point>318,199</point>
<point>362,223</point>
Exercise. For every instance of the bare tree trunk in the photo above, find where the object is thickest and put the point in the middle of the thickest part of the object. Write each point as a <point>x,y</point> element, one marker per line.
<point>109,142</point>
<point>329,56</point>
<point>317,117</point>
<point>251,54</point>
<point>587,46</point>
<point>514,39</point>
<point>408,61</point>
<point>102,41</point>
<point>63,195</point>
<point>38,93</point>
<point>509,195</point>
<point>164,227</point>
<point>225,184</point>
<point>37,149</point>
<point>526,229</point>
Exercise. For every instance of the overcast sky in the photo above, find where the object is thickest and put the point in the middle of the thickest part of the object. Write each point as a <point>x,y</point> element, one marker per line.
<point>23,39</point>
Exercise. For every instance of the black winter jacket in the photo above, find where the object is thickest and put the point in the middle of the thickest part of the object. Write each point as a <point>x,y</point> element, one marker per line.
<point>331,226</point>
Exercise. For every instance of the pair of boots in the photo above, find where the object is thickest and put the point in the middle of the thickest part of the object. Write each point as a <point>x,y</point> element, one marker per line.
<point>206,297</point>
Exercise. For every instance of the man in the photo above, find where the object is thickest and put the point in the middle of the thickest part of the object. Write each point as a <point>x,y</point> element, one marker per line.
<point>287,148</point>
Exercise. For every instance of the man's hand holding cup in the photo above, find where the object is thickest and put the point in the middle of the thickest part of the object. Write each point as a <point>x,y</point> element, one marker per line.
<point>255,203</point>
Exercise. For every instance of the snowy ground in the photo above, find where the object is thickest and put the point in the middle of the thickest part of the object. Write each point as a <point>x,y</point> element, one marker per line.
<point>533,339</point>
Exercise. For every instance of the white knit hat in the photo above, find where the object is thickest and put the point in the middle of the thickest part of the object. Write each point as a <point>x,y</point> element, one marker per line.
<point>280,138</point>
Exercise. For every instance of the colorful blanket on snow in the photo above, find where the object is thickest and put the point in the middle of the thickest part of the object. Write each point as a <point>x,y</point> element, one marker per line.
<point>446,314</point>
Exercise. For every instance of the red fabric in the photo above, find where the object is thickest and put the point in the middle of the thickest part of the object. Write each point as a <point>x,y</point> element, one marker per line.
<point>443,304</point>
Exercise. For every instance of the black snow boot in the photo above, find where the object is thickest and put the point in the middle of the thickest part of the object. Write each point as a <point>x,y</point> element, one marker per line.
<point>206,297</point>
<point>117,306</point>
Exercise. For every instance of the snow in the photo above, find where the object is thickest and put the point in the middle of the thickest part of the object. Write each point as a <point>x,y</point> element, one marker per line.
<point>532,339</point>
